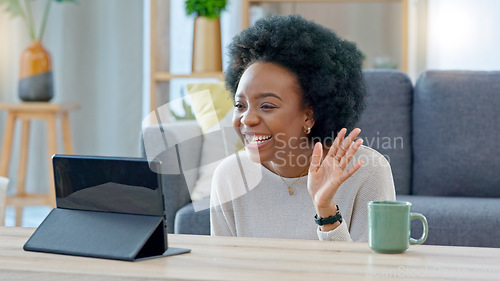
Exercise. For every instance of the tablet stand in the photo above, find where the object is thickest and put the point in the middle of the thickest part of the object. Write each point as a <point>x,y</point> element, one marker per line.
<point>128,237</point>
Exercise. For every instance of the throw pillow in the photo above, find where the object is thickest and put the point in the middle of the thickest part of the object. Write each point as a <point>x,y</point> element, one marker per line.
<point>212,106</point>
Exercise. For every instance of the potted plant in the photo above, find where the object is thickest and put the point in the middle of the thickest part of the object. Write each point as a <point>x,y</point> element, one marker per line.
<point>36,82</point>
<point>207,50</point>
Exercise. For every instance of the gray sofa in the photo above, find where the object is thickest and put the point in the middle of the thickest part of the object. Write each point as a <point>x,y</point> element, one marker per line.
<point>439,136</point>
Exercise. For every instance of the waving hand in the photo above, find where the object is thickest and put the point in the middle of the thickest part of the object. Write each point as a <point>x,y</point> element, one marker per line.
<point>326,175</point>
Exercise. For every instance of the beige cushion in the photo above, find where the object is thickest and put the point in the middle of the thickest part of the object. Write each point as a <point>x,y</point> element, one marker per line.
<point>213,108</point>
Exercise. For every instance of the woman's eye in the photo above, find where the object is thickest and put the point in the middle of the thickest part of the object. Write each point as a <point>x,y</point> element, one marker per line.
<point>238,105</point>
<point>267,106</point>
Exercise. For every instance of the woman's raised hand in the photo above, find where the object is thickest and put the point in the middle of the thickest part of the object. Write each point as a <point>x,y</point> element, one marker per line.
<point>326,175</point>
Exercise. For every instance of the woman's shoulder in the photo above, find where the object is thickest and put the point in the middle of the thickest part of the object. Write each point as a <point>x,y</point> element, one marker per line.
<point>371,157</point>
<point>236,175</point>
<point>374,163</point>
<point>376,173</point>
<point>236,166</point>
<point>233,161</point>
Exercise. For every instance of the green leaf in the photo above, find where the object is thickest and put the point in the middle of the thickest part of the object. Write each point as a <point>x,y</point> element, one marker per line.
<point>14,7</point>
<point>205,8</point>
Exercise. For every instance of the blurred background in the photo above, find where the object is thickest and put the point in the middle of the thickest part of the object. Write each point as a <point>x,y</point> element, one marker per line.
<point>101,57</point>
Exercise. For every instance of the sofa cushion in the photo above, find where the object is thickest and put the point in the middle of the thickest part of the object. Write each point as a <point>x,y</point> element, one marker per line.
<point>455,142</point>
<point>213,108</point>
<point>178,147</point>
<point>189,221</point>
<point>457,221</point>
<point>386,123</point>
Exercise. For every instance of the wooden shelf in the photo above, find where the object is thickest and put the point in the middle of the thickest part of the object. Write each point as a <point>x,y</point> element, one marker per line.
<point>159,15</point>
<point>245,17</point>
<point>40,107</point>
<point>28,200</point>
<point>167,76</point>
<point>245,5</point>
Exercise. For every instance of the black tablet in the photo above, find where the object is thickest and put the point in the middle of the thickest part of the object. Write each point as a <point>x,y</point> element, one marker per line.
<point>107,207</point>
<point>108,184</point>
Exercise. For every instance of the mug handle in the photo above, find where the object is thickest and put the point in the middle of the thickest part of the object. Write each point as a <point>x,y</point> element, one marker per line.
<point>426,228</point>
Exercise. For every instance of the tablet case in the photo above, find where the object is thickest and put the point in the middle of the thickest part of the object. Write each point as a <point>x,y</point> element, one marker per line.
<point>107,207</point>
<point>127,237</point>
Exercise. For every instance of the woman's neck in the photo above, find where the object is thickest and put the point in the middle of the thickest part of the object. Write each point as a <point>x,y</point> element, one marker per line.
<point>291,164</point>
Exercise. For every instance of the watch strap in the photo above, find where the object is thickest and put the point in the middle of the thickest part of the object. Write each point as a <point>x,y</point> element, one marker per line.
<point>329,220</point>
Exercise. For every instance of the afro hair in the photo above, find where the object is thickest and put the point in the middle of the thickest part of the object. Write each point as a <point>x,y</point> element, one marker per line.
<point>328,68</point>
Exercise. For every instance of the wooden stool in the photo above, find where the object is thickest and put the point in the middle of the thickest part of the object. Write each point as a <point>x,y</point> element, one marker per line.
<point>27,112</point>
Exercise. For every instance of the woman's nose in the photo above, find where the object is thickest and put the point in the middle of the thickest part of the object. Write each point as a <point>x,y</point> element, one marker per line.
<point>250,118</point>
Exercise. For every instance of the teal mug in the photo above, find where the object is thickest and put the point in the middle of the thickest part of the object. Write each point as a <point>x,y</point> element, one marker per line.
<point>389,226</point>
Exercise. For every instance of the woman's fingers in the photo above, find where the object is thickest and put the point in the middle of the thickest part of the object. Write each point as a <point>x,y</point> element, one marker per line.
<point>346,143</point>
<point>349,172</point>
<point>334,165</point>
<point>316,157</point>
<point>336,143</point>
<point>350,153</point>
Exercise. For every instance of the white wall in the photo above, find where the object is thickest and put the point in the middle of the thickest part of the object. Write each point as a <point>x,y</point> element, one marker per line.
<point>96,49</point>
<point>463,34</point>
<point>181,28</point>
<point>181,44</point>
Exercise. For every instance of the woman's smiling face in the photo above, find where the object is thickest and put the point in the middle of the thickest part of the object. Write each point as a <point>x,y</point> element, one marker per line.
<point>269,113</point>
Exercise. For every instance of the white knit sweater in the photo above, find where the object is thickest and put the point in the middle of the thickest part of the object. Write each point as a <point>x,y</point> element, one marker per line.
<point>249,200</point>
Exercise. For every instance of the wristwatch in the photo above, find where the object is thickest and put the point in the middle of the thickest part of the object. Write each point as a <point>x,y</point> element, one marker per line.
<point>330,219</point>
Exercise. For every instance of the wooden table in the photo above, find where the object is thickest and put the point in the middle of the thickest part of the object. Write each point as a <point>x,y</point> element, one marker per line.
<point>230,258</point>
<point>27,112</point>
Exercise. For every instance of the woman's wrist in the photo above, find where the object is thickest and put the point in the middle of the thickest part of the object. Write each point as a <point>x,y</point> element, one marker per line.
<point>326,212</point>
<point>329,227</point>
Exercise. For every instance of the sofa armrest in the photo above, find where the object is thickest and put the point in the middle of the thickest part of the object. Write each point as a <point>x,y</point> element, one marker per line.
<point>178,147</point>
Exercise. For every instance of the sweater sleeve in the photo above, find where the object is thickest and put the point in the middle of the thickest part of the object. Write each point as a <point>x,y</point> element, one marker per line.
<point>341,233</point>
<point>221,213</point>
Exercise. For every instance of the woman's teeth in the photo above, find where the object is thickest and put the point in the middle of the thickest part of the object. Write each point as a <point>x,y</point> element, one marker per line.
<point>258,139</point>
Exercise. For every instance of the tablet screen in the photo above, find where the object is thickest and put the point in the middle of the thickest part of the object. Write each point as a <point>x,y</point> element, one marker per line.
<point>108,184</point>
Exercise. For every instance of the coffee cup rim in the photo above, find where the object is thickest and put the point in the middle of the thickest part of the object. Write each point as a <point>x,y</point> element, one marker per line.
<point>389,203</point>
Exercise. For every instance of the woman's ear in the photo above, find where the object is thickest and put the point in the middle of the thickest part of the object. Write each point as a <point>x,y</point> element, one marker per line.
<point>309,114</point>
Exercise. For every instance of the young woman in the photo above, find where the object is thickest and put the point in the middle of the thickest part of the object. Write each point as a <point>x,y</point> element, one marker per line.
<point>295,85</point>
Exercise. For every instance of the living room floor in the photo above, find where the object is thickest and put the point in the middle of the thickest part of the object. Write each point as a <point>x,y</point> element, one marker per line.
<point>32,215</point>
